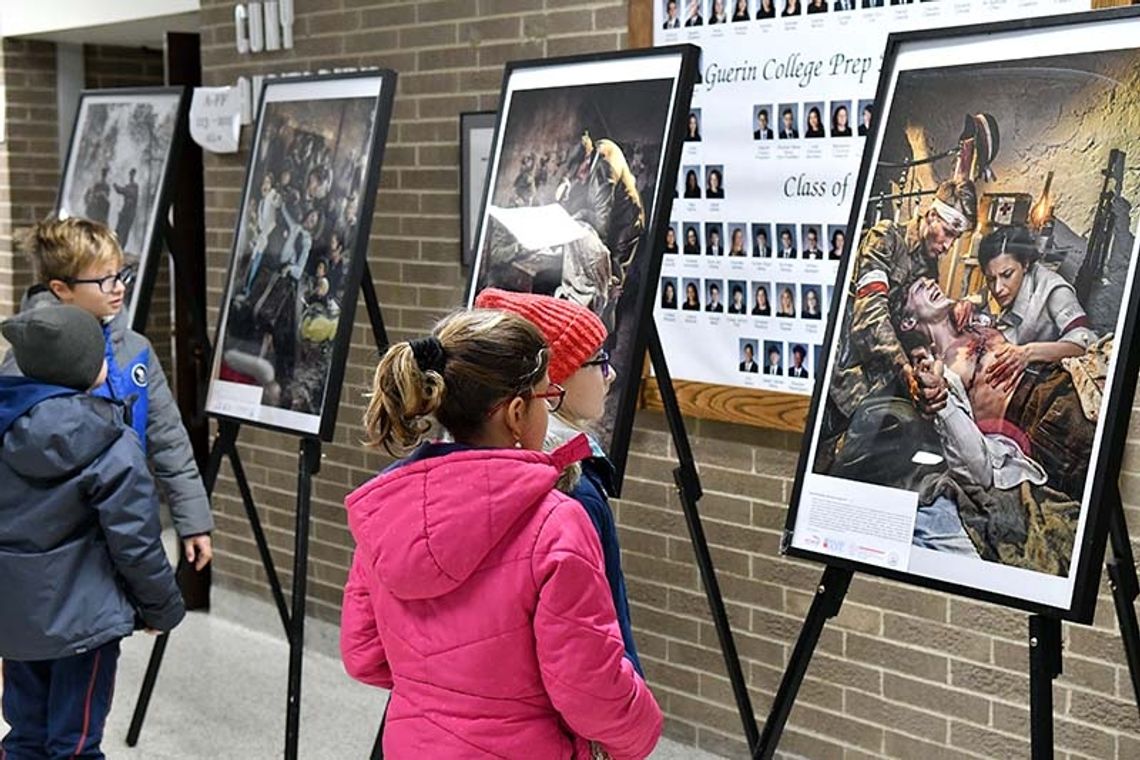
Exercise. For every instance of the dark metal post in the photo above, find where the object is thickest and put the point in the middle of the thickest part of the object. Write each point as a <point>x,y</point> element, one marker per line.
<point>828,599</point>
<point>309,464</point>
<point>1125,588</point>
<point>689,487</point>
<point>1044,666</point>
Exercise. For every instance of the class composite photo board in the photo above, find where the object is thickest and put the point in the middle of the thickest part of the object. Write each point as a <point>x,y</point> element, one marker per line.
<point>300,251</point>
<point>968,425</point>
<point>119,170</point>
<point>582,177</point>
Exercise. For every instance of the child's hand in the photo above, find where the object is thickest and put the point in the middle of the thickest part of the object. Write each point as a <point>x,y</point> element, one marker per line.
<point>199,550</point>
<point>152,632</point>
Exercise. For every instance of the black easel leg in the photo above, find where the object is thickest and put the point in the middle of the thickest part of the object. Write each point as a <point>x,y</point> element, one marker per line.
<point>1125,589</point>
<point>372,304</point>
<point>227,435</point>
<point>378,745</point>
<point>309,465</point>
<point>1044,666</point>
<point>828,599</point>
<point>689,488</point>
<point>259,538</point>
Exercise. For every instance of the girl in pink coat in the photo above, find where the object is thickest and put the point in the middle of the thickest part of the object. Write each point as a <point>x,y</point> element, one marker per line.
<point>477,592</point>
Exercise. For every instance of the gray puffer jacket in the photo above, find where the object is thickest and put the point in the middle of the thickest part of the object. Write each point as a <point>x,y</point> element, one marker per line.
<point>80,542</point>
<point>136,379</point>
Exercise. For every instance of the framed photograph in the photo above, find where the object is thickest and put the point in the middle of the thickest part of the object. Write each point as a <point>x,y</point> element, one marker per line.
<point>300,251</point>
<point>974,388</point>
<point>476,132</point>
<point>119,170</point>
<point>591,228</point>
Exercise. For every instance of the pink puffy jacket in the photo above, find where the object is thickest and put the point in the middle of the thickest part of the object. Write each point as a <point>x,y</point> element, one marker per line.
<point>477,594</point>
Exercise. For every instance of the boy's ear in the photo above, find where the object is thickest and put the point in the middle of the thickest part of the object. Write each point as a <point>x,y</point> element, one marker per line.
<point>59,288</point>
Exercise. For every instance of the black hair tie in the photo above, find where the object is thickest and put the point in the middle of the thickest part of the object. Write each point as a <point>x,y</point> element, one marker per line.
<point>429,353</point>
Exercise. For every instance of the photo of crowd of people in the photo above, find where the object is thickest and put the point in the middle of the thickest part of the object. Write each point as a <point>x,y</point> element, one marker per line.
<point>812,120</point>
<point>978,324</point>
<point>292,265</point>
<point>574,178</point>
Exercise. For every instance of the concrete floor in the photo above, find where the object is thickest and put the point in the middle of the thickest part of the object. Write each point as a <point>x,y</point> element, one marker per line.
<point>221,693</point>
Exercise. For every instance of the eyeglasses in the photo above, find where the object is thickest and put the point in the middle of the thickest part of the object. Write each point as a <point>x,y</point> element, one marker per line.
<point>126,275</point>
<point>553,396</point>
<point>601,360</point>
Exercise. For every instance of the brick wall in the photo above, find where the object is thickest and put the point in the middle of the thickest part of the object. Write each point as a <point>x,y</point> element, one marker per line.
<point>901,673</point>
<point>29,160</point>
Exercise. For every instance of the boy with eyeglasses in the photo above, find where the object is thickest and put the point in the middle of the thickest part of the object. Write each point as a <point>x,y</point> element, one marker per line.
<point>79,262</point>
<point>581,366</point>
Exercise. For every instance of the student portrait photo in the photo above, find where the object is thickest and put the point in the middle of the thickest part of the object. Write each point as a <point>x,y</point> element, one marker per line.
<point>773,357</point>
<point>740,11</point>
<point>786,245</point>
<point>813,121</point>
<point>765,9</point>
<point>668,292</point>
<point>789,121</point>
<point>786,306</point>
<point>714,182</point>
<point>736,245</point>
<point>672,15</point>
<point>692,244</point>
<point>692,300</point>
<point>791,8</point>
<point>811,305</point>
<point>866,114</point>
<point>693,130</point>
<point>715,238</point>
<point>671,245</point>
<point>873,3</point>
<point>693,14</point>
<point>692,182</point>
<point>837,234</point>
<point>817,6</point>
<point>844,5</point>
<point>761,119</point>
<point>737,297</point>
<point>713,300</point>
<point>748,356</point>
<point>761,304</point>
<point>841,118</point>
<point>811,249</point>
<point>761,241</point>
<point>717,13</point>
<point>797,368</point>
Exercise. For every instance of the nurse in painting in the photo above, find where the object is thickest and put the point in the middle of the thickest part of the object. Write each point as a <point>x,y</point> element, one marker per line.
<point>1039,313</point>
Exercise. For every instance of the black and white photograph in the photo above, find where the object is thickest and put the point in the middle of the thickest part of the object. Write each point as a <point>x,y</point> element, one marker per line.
<point>118,170</point>
<point>613,127</point>
<point>974,386</point>
<point>476,133</point>
<point>299,251</point>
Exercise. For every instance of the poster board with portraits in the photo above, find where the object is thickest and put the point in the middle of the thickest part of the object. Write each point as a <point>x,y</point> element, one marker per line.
<point>785,94</point>
<point>119,170</point>
<point>582,168</point>
<point>300,251</point>
<point>978,373</point>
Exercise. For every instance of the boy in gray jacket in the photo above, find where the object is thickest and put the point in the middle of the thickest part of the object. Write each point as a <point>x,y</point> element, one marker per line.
<point>81,557</point>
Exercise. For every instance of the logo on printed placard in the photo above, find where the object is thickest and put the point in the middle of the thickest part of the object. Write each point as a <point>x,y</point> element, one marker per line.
<point>138,374</point>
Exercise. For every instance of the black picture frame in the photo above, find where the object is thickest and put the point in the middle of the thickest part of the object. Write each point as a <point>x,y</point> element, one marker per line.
<point>625,393</point>
<point>381,111</point>
<point>1126,359</point>
<point>176,103</point>
<point>474,169</point>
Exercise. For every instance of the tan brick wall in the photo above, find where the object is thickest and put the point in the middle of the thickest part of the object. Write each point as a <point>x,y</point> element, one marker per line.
<point>29,159</point>
<point>902,672</point>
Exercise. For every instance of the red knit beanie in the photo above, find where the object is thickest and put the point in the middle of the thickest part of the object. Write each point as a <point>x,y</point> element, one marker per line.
<point>573,332</point>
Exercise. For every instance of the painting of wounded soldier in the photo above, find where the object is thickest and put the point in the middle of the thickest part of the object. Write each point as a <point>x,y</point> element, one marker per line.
<point>982,300</point>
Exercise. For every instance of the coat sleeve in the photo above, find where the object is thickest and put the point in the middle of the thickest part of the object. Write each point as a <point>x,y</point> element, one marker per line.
<point>122,493</point>
<point>580,650</point>
<point>361,649</point>
<point>169,450</point>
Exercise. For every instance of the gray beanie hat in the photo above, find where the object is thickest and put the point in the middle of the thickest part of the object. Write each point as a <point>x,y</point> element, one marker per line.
<point>59,345</point>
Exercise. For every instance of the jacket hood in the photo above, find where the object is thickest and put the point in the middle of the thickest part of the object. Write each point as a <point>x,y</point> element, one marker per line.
<point>428,525</point>
<point>39,296</point>
<point>50,432</point>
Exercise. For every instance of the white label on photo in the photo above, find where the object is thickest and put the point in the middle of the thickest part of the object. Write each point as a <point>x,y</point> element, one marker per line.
<point>835,519</point>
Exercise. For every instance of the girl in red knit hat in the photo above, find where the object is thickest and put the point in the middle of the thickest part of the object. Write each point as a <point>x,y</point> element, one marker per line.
<point>580,364</point>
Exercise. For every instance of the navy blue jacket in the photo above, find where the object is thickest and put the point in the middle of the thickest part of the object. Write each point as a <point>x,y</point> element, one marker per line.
<point>81,557</point>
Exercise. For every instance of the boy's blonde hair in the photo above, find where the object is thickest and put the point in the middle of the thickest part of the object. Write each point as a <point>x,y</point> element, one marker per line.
<point>62,248</point>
